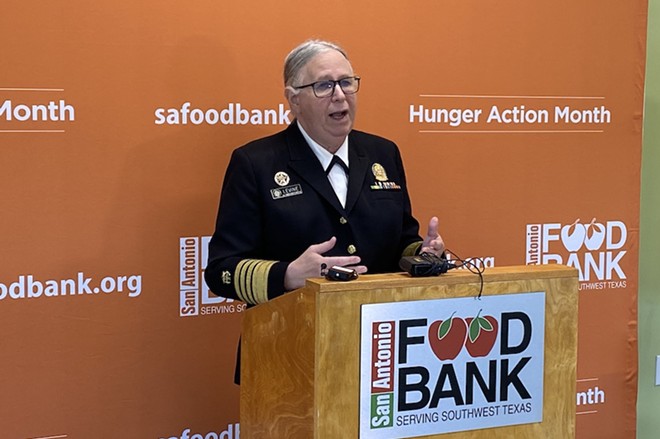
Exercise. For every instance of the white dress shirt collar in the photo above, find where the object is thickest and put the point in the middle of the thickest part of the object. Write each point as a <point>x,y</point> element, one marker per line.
<point>323,154</point>
<point>337,176</point>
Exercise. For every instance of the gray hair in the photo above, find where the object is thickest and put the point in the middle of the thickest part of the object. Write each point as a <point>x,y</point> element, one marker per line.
<point>301,55</point>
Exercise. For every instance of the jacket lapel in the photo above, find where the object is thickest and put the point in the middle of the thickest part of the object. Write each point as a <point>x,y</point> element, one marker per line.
<point>358,166</point>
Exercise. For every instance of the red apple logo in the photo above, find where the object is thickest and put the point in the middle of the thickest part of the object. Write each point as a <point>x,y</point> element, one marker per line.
<point>447,337</point>
<point>595,235</point>
<point>482,334</point>
<point>573,236</point>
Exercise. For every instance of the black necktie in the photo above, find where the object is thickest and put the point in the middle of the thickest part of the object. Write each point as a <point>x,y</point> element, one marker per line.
<point>336,161</point>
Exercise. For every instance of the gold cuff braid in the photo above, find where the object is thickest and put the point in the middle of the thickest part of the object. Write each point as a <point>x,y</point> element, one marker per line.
<point>251,280</point>
<point>412,249</point>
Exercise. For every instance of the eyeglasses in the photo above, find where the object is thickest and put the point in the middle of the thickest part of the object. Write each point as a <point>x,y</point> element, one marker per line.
<point>323,89</point>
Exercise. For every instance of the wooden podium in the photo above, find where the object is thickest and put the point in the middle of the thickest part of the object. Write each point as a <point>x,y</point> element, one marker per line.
<point>300,372</point>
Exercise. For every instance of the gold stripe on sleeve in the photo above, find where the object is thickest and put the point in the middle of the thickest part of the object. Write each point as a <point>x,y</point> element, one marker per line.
<point>251,280</point>
<point>412,249</point>
<point>243,279</point>
<point>260,281</point>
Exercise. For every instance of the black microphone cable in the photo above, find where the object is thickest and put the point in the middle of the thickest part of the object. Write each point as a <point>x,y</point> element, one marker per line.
<point>472,267</point>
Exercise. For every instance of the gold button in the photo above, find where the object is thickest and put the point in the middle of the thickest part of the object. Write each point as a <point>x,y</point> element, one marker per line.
<point>351,249</point>
<point>342,220</point>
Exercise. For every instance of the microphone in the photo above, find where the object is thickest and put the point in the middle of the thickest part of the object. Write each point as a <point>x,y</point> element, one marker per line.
<point>425,264</point>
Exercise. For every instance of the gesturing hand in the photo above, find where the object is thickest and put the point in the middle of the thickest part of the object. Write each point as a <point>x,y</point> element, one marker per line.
<point>309,264</point>
<point>433,242</point>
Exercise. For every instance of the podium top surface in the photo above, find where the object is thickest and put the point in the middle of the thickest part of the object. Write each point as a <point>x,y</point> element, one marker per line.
<point>457,276</point>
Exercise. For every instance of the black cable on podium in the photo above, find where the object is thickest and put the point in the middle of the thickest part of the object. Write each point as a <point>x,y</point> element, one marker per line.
<point>428,264</point>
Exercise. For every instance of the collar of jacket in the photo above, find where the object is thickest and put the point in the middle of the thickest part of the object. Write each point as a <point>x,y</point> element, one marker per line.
<point>303,161</point>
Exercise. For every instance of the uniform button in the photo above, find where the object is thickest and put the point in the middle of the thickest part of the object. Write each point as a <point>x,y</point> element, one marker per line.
<point>351,249</point>
<point>342,220</point>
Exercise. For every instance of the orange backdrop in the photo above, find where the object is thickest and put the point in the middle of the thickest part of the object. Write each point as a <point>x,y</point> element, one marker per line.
<point>519,124</point>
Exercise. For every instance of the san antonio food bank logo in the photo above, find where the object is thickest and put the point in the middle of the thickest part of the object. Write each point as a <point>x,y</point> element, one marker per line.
<point>423,374</point>
<point>596,249</point>
<point>195,298</point>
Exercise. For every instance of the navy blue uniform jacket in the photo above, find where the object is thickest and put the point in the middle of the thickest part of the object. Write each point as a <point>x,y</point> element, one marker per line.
<point>276,201</point>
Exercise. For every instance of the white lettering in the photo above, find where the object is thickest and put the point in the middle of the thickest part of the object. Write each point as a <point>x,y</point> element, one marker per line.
<point>232,114</point>
<point>51,112</point>
<point>26,286</point>
<point>591,396</point>
<point>517,115</point>
<point>452,116</point>
<point>594,115</point>
<point>233,431</point>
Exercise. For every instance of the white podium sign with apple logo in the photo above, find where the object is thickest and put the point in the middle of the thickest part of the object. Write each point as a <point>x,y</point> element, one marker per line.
<point>448,365</point>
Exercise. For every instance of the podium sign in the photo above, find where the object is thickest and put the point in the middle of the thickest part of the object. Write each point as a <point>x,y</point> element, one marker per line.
<point>448,365</point>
